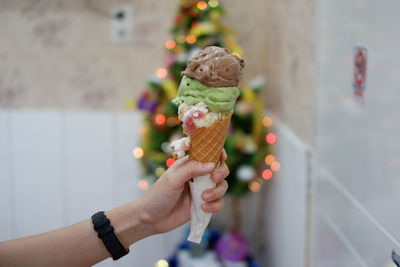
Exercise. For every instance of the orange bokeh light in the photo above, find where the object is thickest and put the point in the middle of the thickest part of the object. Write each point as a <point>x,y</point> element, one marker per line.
<point>170,44</point>
<point>191,39</point>
<point>255,186</point>
<point>267,121</point>
<point>267,174</point>
<point>162,73</point>
<point>269,159</point>
<point>169,162</point>
<point>138,152</point>
<point>271,138</point>
<point>143,185</point>
<point>160,119</point>
<point>275,166</point>
<point>202,5</point>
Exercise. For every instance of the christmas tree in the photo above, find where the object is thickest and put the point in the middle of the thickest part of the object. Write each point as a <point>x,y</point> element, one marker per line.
<point>249,144</point>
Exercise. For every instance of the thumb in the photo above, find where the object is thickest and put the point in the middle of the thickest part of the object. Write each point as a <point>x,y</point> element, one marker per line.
<point>181,173</point>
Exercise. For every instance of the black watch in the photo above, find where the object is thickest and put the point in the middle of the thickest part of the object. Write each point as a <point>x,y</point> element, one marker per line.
<point>105,231</point>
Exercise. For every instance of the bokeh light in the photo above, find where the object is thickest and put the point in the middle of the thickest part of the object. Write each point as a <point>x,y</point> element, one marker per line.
<point>170,44</point>
<point>160,171</point>
<point>202,5</point>
<point>162,73</point>
<point>161,263</point>
<point>255,186</point>
<point>165,147</point>
<point>271,138</point>
<point>160,119</point>
<point>138,152</point>
<point>267,121</point>
<point>275,166</point>
<point>267,174</point>
<point>269,159</point>
<point>169,162</point>
<point>143,185</point>
<point>213,3</point>
<point>191,39</point>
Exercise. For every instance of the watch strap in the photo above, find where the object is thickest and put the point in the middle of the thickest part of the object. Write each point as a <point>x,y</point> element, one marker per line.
<point>105,231</point>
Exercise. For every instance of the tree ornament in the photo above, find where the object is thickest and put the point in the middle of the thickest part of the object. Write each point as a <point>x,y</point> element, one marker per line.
<point>233,247</point>
<point>245,173</point>
<point>165,147</point>
<point>249,146</point>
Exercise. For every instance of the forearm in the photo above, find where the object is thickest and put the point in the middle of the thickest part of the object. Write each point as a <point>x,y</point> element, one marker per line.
<point>75,245</point>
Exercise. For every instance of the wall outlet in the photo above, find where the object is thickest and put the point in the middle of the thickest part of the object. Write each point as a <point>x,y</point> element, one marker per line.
<point>121,24</point>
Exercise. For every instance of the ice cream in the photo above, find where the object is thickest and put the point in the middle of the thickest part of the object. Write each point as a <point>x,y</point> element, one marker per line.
<point>206,98</point>
<point>217,99</point>
<point>215,66</point>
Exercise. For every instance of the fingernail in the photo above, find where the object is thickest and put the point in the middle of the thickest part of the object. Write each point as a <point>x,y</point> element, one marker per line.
<point>205,206</point>
<point>208,165</point>
<point>207,196</point>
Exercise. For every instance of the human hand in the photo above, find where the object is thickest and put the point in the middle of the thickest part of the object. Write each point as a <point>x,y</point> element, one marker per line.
<point>167,204</point>
<point>164,207</point>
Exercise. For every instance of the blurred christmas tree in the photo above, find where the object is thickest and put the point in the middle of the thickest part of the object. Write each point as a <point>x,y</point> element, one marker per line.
<point>197,25</point>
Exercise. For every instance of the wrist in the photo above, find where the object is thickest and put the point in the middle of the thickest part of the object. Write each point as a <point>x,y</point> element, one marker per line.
<point>128,226</point>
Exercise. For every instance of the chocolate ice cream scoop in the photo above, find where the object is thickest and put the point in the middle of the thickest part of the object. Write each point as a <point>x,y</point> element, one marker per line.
<point>215,66</point>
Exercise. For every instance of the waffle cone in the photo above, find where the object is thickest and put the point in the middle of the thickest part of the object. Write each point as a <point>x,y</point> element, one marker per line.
<point>206,143</point>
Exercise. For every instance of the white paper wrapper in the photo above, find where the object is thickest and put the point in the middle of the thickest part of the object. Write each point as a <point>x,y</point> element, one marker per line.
<point>199,218</point>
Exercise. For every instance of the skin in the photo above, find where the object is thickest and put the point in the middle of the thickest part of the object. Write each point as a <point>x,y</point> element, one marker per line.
<point>163,208</point>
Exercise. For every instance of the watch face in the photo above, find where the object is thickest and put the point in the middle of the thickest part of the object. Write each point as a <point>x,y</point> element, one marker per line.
<point>99,219</point>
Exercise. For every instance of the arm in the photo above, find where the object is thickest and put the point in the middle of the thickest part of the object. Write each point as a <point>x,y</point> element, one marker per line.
<point>75,245</point>
<point>163,208</point>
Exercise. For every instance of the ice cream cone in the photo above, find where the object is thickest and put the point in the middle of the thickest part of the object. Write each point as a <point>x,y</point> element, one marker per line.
<point>206,143</point>
<point>208,90</point>
<point>206,146</point>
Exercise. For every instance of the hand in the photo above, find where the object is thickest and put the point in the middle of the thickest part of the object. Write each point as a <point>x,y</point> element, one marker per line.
<point>164,207</point>
<point>167,204</point>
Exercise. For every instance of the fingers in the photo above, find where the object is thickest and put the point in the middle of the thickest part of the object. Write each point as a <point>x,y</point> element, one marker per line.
<point>214,206</point>
<point>215,193</point>
<point>220,173</point>
<point>184,159</point>
<point>214,199</point>
<point>224,156</point>
<point>183,171</point>
<point>180,161</point>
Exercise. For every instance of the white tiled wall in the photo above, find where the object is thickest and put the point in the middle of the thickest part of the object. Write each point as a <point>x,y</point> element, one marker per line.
<point>7,184</point>
<point>358,154</point>
<point>57,168</point>
<point>287,203</point>
<point>36,145</point>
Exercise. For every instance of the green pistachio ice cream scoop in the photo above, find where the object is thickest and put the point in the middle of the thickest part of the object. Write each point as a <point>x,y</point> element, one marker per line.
<point>217,99</point>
